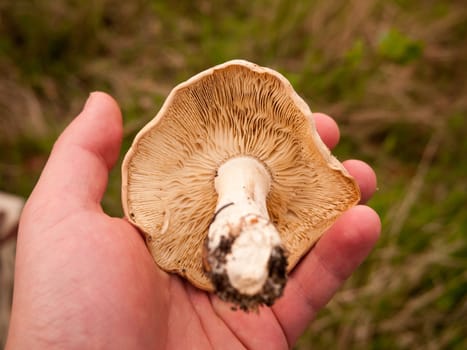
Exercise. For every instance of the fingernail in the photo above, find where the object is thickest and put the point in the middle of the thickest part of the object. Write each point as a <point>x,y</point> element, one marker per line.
<point>89,101</point>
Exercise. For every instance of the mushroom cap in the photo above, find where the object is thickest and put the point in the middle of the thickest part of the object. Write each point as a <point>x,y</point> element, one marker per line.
<point>233,109</point>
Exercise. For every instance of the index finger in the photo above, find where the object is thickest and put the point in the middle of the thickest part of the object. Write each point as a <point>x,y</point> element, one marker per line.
<point>327,129</point>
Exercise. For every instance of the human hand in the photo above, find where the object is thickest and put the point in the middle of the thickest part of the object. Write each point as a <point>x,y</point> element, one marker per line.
<point>86,280</point>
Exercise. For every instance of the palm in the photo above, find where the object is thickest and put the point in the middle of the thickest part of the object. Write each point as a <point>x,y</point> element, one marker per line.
<point>86,280</point>
<point>121,273</point>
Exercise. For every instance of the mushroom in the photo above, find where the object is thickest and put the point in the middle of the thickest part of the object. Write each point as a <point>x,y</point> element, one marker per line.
<point>231,184</point>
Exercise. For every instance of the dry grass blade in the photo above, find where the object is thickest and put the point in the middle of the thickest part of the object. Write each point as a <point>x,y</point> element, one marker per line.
<point>10,209</point>
<point>402,212</point>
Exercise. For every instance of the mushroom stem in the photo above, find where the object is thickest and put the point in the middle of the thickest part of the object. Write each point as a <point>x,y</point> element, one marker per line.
<point>245,257</point>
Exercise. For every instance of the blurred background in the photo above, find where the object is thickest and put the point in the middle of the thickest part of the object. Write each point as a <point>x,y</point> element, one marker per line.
<point>392,73</point>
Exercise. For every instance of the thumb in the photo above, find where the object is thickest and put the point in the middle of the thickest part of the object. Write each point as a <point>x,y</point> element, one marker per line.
<point>77,170</point>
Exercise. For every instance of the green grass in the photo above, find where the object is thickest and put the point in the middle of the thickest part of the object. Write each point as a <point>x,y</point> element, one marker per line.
<point>392,73</point>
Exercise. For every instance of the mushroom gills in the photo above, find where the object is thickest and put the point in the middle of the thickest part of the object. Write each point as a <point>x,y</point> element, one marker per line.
<point>244,255</point>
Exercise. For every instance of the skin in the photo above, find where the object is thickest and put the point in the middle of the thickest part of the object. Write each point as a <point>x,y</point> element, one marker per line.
<point>85,280</point>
